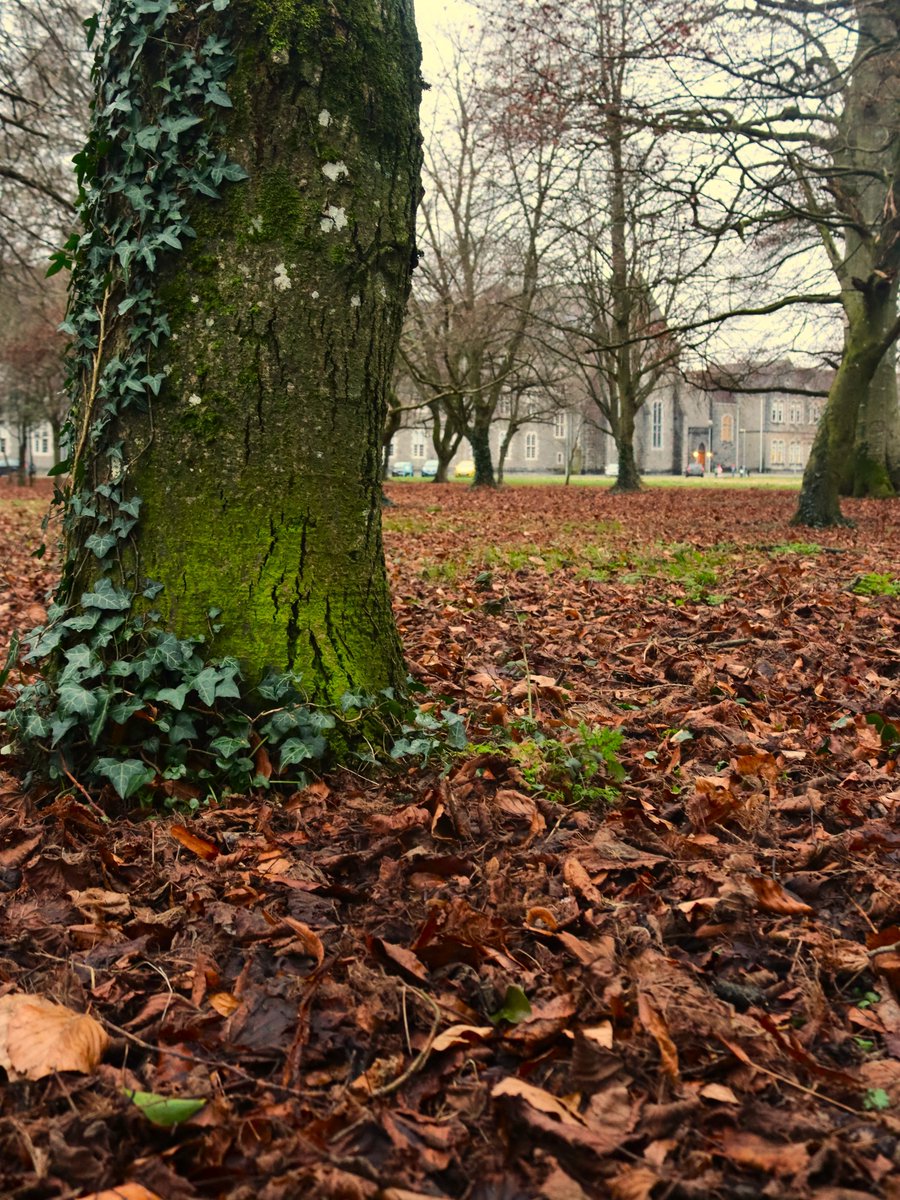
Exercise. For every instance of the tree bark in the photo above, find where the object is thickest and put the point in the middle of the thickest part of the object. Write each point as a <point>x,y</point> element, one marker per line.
<point>819,500</point>
<point>258,466</point>
<point>479,438</point>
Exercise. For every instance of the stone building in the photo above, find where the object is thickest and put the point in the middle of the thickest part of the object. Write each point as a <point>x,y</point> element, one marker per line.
<point>693,419</point>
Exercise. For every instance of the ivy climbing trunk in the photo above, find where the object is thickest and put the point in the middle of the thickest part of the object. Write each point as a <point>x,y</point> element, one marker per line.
<point>258,464</point>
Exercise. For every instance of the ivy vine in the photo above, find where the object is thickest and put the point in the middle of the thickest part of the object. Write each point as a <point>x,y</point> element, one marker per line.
<point>113,696</point>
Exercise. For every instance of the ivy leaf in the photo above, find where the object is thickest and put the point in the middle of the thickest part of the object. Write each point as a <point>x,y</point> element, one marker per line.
<point>294,750</point>
<point>175,696</point>
<point>101,543</point>
<point>175,125</point>
<point>205,685</point>
<point>127,775</point>
<point>106,595</point>
<point>216,94</point>
<point>228,747</point>
<point>78,700</point>
<point>59,727</point>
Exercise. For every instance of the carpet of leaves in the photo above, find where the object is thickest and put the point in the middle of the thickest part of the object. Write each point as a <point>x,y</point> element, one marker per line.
<point>712,963</point>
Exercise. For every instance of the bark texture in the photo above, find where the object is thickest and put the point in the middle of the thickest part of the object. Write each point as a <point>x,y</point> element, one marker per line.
<point>259,464</point>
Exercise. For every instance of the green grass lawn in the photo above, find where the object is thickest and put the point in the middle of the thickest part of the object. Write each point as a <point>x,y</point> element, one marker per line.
<point>789,482</point>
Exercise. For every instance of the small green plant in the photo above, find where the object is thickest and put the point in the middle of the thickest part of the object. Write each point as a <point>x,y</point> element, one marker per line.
<point>875,584</point>
<point>807,549</point>
<point>580,769</point>
<point>876,1099</point>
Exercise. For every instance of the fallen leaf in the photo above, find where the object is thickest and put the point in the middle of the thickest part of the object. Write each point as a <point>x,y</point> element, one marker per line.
<point>718,1091</point>
<point>653,1022</point>
<point>224,1003</point>
<point>750,1150</point>
<point>774,898</point>
<point>39,1037</point>
<point>200,846</point>
<point>125,1191</point>
<point>461,1035</point>
<point>309,939</point>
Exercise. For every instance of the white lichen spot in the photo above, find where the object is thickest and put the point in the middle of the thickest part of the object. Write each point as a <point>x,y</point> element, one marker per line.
<point>195,299</point>
<point>194,400</point>
<point>257,223</point>
<point>209,322</point>
<point>324,118</point>
<point>355,301</point>
<point>315,295</point>
<point>335,218</point>
<point>335,170</point>
<point>282,279</point>
<point>382,291</point>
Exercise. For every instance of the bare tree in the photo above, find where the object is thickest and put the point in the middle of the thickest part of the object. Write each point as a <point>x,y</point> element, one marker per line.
<point>44,98</point>
<point>490,187</point>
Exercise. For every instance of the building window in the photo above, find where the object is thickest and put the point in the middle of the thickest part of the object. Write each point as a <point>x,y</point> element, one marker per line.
<point>36,442</point>
<point>777,456</point>
<point>777,412</point>
<point>45,444</point>
<point>795,454</point>
<point>559,425</point>
<point>815,411</point>
<point>392,450</point>
<point>559,458</point>
<point>656,425</point>
<point>504,408</point>
<point>2,445</point>
<point>531,447</point>
<point>795,414</point>
<point>726,431</point>
<point>418,448</point>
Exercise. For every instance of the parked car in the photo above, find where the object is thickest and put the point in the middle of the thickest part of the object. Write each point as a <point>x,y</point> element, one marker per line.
<point>429,468</point>
<point>403,470</point>
<point>694,469</point>
<point>465,469</point>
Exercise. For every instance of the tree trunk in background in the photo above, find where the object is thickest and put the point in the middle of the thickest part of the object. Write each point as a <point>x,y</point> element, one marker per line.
<point>259,464</point>
<point>876,457</point>
<point>819,500</point>
<point>479,438</point>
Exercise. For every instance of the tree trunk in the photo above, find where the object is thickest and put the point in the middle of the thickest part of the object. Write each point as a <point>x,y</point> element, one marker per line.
<point>876,457</point>
<point>627,479</point>
<point>258,466</point>
<point>819,501</point>
<point>479,438</point>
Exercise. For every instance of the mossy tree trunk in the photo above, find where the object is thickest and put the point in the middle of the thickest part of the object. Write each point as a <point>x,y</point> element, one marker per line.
<point>876,458</point>
<point>866,344</point>
<point>856,443</point>
<point>479,434</point>
<point>258,465</point>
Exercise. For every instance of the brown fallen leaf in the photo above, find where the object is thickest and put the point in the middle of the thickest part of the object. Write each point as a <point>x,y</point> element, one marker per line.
<point>125,1191</point>
<point>654,1023</point>
<point>774,898</point>
<point>39,1037</point>
<point>461,1035</point>
<point>543,1113</point>
<point>750,1150</point>
<point>406,960</point>
<point>310,940</point>
<point>634,1183</point>
<point>98,903</point>
<point>224,1003</point>
<point>200,846</point>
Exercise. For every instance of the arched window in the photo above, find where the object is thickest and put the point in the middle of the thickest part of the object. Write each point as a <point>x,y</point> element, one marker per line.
<point>726,430</point>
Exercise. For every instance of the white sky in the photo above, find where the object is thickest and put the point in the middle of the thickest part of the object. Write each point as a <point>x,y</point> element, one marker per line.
<point>434,19</point>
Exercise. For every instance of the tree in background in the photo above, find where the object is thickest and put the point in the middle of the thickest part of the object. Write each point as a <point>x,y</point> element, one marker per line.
<point>489,189</point>
<point>44,95</point>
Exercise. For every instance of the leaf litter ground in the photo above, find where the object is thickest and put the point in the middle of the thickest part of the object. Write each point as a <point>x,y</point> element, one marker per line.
<point>711,963</point>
